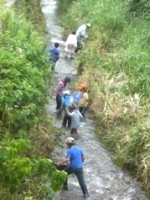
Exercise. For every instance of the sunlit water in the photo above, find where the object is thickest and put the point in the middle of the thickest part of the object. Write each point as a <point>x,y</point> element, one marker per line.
<point>104,180</point>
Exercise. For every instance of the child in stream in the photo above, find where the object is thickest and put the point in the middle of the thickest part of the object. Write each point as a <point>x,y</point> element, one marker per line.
<point>83,103</point>
<point>67,101</point>
<point>75,118</point>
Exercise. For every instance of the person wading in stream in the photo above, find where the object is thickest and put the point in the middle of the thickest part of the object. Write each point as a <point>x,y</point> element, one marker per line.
<point>67,102</point>
<point>58,93</point>
<point>70,45</point>
<point>81,36</point>
<point>75,118</point>
<point>83,103</point>
<point>75,158</point>
<point>54,54</point>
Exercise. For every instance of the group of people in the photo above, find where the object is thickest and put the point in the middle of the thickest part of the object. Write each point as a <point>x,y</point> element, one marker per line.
<point>73,44</point>
<point>75,40</point>
<point>74,106</point>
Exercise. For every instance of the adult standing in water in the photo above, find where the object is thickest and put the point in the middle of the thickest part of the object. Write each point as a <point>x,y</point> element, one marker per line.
<point>71,45</point>
<point>58,93</point>
<point>81,35</point>
<point>75,158</point>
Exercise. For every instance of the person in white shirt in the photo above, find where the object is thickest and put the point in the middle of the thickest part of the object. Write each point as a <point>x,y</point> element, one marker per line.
<point>70,45</point>
<point>81,35</point>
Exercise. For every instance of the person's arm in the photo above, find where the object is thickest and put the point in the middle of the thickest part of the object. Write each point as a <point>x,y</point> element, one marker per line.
<point>67,111</point>
<point>57,55</point>
<point>86,98</point>
<point>66,160</point>
<point>83,158</point>
<point>80,114</point>
<point>83,33</point>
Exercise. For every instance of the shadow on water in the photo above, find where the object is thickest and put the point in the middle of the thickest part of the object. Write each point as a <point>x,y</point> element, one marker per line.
<point>104,180</point>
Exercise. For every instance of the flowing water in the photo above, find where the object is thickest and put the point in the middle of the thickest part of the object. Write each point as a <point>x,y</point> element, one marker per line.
<point>104,180</point>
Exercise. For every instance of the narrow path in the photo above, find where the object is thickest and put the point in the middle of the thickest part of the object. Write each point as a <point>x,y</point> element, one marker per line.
<point>104,180</point>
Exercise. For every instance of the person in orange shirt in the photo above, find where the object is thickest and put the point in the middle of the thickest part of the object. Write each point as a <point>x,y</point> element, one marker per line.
<point>83,103</point>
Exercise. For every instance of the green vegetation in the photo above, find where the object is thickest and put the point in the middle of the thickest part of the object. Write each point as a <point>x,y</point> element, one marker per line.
<point>27,137</point>
<point>115,66</point>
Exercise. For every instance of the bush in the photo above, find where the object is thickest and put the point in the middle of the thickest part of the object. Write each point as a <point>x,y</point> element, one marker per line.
<point>24,71</point>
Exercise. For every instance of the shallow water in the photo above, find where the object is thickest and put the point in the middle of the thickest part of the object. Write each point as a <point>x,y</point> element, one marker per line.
<point>104,180</point>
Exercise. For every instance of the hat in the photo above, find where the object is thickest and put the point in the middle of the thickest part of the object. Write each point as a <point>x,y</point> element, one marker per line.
<point>68,79</point>
<point>70,140</point>
<point>66,92</point>
<point>82,87</point>
<point>89,25</point>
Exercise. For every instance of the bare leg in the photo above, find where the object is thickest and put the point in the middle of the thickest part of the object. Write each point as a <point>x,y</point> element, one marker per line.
<point>72,55</point>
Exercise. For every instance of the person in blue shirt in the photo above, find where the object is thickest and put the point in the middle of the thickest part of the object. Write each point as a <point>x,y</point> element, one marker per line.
<point>75,158</point>
<point>54,54</point>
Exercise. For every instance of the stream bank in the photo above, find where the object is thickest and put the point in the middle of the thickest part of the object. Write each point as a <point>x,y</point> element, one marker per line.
<point>104,180</point>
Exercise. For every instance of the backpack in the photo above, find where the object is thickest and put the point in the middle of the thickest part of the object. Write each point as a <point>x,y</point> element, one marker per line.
<point>76,97</point>
<point>67,100</point>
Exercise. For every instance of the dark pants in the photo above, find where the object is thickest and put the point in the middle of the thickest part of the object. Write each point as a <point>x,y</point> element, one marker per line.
<point>66,120</point>
<point>79,47</point>
<point>58,102</point>
<point>53,66</point>
<point>80,176</point>
<point>82,110</point>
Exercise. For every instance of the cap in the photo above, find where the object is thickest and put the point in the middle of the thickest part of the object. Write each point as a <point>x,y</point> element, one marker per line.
<point>88,24</point>
<point>68,79</point>
<point>66,92</point>
<point>70,140</point>
<point>82,87</point>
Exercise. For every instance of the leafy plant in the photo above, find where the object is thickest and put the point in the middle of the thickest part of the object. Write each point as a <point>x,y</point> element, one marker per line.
<point>24,71</point>
<point>15,168</point>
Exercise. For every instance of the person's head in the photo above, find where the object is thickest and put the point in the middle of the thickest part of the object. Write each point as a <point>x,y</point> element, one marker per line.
<point>88,25</point>
<point>67,79</point>
<point>70,141</point>
<point>72,107</point>
<point>83,88</point>
<point>66,92</point>
<point>73,32</point>
<point>56,44</point>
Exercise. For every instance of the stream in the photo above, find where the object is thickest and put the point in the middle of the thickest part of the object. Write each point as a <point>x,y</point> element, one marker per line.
<point>104,180</point>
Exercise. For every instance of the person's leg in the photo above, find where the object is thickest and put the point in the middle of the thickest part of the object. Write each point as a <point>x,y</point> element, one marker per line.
<point>66,56</point>
<point>60,109</point>
<point>73,130</point>
<point>71,56</point>
<point>80,109</point>
<point>65,119</point>
<point>80,176</point>
<point>83,111</point>
<point>58,101</point>
<point>53,66</point>
<point>72,53</point>
<point>69,171</point>
<point>76,131</point>
<point>78,47</point>
<point>69,121</point>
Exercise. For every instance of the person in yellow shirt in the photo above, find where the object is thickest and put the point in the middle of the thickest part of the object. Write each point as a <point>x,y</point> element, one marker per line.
<point>83,103</point>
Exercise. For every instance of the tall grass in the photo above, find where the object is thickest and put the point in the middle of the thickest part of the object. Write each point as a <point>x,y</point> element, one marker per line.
<point>115,65</point>
<point>31,11</point>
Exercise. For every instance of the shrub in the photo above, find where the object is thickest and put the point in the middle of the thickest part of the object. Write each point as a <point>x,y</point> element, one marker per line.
<point>24,71</point>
